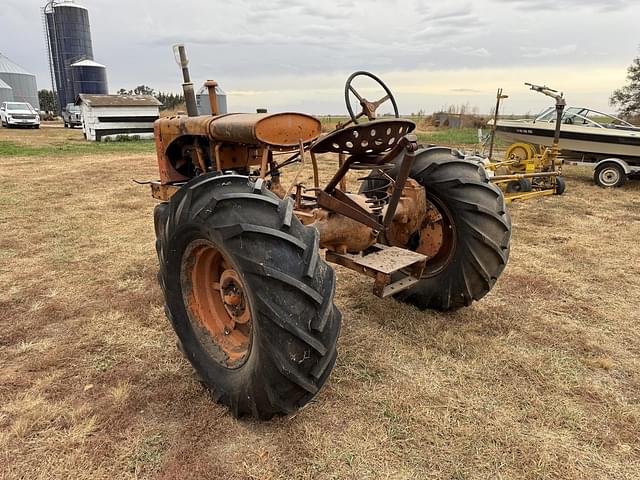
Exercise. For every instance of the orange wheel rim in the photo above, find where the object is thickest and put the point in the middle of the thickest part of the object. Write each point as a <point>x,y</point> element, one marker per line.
<point>216,302</point>
<point>437,238</point>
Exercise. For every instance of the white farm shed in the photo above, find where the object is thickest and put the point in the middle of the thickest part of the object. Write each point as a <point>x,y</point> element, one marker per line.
<point>109,116</point>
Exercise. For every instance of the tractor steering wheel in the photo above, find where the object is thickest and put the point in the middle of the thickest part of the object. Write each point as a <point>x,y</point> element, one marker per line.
<point>368,108</point>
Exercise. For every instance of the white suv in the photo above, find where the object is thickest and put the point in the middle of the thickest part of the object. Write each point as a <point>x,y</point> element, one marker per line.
<point>18,114</point>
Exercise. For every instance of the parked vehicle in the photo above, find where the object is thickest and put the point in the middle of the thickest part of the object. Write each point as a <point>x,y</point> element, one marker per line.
<point>588,137</point>
<point>72,116</point>
<point>19,114</point>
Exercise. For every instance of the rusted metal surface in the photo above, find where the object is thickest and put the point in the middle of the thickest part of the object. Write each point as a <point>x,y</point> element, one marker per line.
<point>216,303</point>
<point>213,97</point>
<point>280,131</point>
<point>233,142</point>
<point>385,145</point>
<point>410,214</point>
<point>340,233</point>
<point>432,232</point>
<point>163,192</point>
<point>167,132</point>
<point>347,207</point>
<point>410,145</point>
<point>342,168</point>
<point>187,85</point>
<point>348,225</point>
<point>370,138</point>
<point>381,264</point>
<point>264,162</point>
<point>316,176</point>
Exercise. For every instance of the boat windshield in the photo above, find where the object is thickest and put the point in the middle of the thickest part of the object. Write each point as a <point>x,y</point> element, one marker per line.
<point>584,117</point>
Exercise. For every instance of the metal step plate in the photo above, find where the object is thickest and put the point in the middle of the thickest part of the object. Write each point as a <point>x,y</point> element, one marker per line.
<point>390,259</point>
<point>381,264</point>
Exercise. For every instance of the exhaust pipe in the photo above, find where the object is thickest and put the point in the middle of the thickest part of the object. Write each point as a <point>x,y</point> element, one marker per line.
<point>187,85</point>
<point>213,98</point>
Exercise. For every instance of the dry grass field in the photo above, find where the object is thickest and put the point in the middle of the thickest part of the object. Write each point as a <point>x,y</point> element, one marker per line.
<point>541,379</point>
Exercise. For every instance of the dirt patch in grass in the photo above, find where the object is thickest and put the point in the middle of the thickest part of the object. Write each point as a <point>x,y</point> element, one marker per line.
<point>541,379</point>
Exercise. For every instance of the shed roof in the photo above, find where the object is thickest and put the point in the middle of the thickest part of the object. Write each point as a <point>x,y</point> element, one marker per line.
<point>118,100</point>
<point>4,86</point>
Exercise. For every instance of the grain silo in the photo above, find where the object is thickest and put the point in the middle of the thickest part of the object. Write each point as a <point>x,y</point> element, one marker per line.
<point>6,92</point>
<point>89,77</point>
<point>69,41</point>
<point>22,83</point>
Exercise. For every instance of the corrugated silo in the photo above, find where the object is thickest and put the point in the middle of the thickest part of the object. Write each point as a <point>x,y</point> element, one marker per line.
<point>204,105</point>
<point>22,83</point>
<point>69,41</point>
<point>6,92</point>
<point>89,77</point>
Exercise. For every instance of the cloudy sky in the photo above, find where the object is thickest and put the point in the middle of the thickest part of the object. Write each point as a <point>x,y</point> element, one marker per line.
<point>296,54</point>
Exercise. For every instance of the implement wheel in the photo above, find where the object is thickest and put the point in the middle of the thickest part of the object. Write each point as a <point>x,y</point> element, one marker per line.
<point>247,294</point>
<point>521,185</point>
<point>468,244</point>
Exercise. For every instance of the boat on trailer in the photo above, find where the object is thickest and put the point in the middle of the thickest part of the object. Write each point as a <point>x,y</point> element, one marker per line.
<point>586,135</point>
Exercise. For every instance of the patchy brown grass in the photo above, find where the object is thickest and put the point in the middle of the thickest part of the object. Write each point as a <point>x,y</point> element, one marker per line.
<point>49,134</point>
<point>541,379</point>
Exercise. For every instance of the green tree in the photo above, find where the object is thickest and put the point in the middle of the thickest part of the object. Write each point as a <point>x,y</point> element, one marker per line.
<point>48,101</point>
<point>170,101</point>
<point>143,90</point>
<point>627,98</point>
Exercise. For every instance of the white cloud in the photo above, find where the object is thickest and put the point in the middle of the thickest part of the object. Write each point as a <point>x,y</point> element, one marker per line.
<point>546,52</point>
<point>291,46</point>
<point>473,52</point>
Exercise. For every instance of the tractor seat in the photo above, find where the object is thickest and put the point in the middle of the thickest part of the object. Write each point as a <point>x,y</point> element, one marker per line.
<point>365,139</point>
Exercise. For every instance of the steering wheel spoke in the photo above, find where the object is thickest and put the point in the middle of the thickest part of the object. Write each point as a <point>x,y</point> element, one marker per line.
<point>368,108</point>
<point>381,101</point>
<point>355,92</point>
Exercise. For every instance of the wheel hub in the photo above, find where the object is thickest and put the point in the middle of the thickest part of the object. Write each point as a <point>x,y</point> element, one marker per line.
<point>437,238</point>
<point>216,304</point>
<point>609,176</point>
<point>233,298</point>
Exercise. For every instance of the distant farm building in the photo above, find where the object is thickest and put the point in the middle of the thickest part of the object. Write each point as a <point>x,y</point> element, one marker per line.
<point>109,116</point>
<point>21,83</point>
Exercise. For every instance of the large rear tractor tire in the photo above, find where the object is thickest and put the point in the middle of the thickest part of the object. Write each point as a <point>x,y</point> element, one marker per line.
<point>247,294</point>
<point>475,232</point>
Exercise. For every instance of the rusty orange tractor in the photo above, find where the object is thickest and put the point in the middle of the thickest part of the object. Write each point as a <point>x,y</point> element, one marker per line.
<point>245,286</point>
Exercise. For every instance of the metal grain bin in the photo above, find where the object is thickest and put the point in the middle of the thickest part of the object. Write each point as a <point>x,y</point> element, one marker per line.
<point>22,83</point>
<point>202,101</point>
<point>6,92</point>
<point>89,77</point>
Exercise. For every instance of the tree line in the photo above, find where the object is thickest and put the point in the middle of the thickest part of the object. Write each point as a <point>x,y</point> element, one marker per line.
<point>170,101</point>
